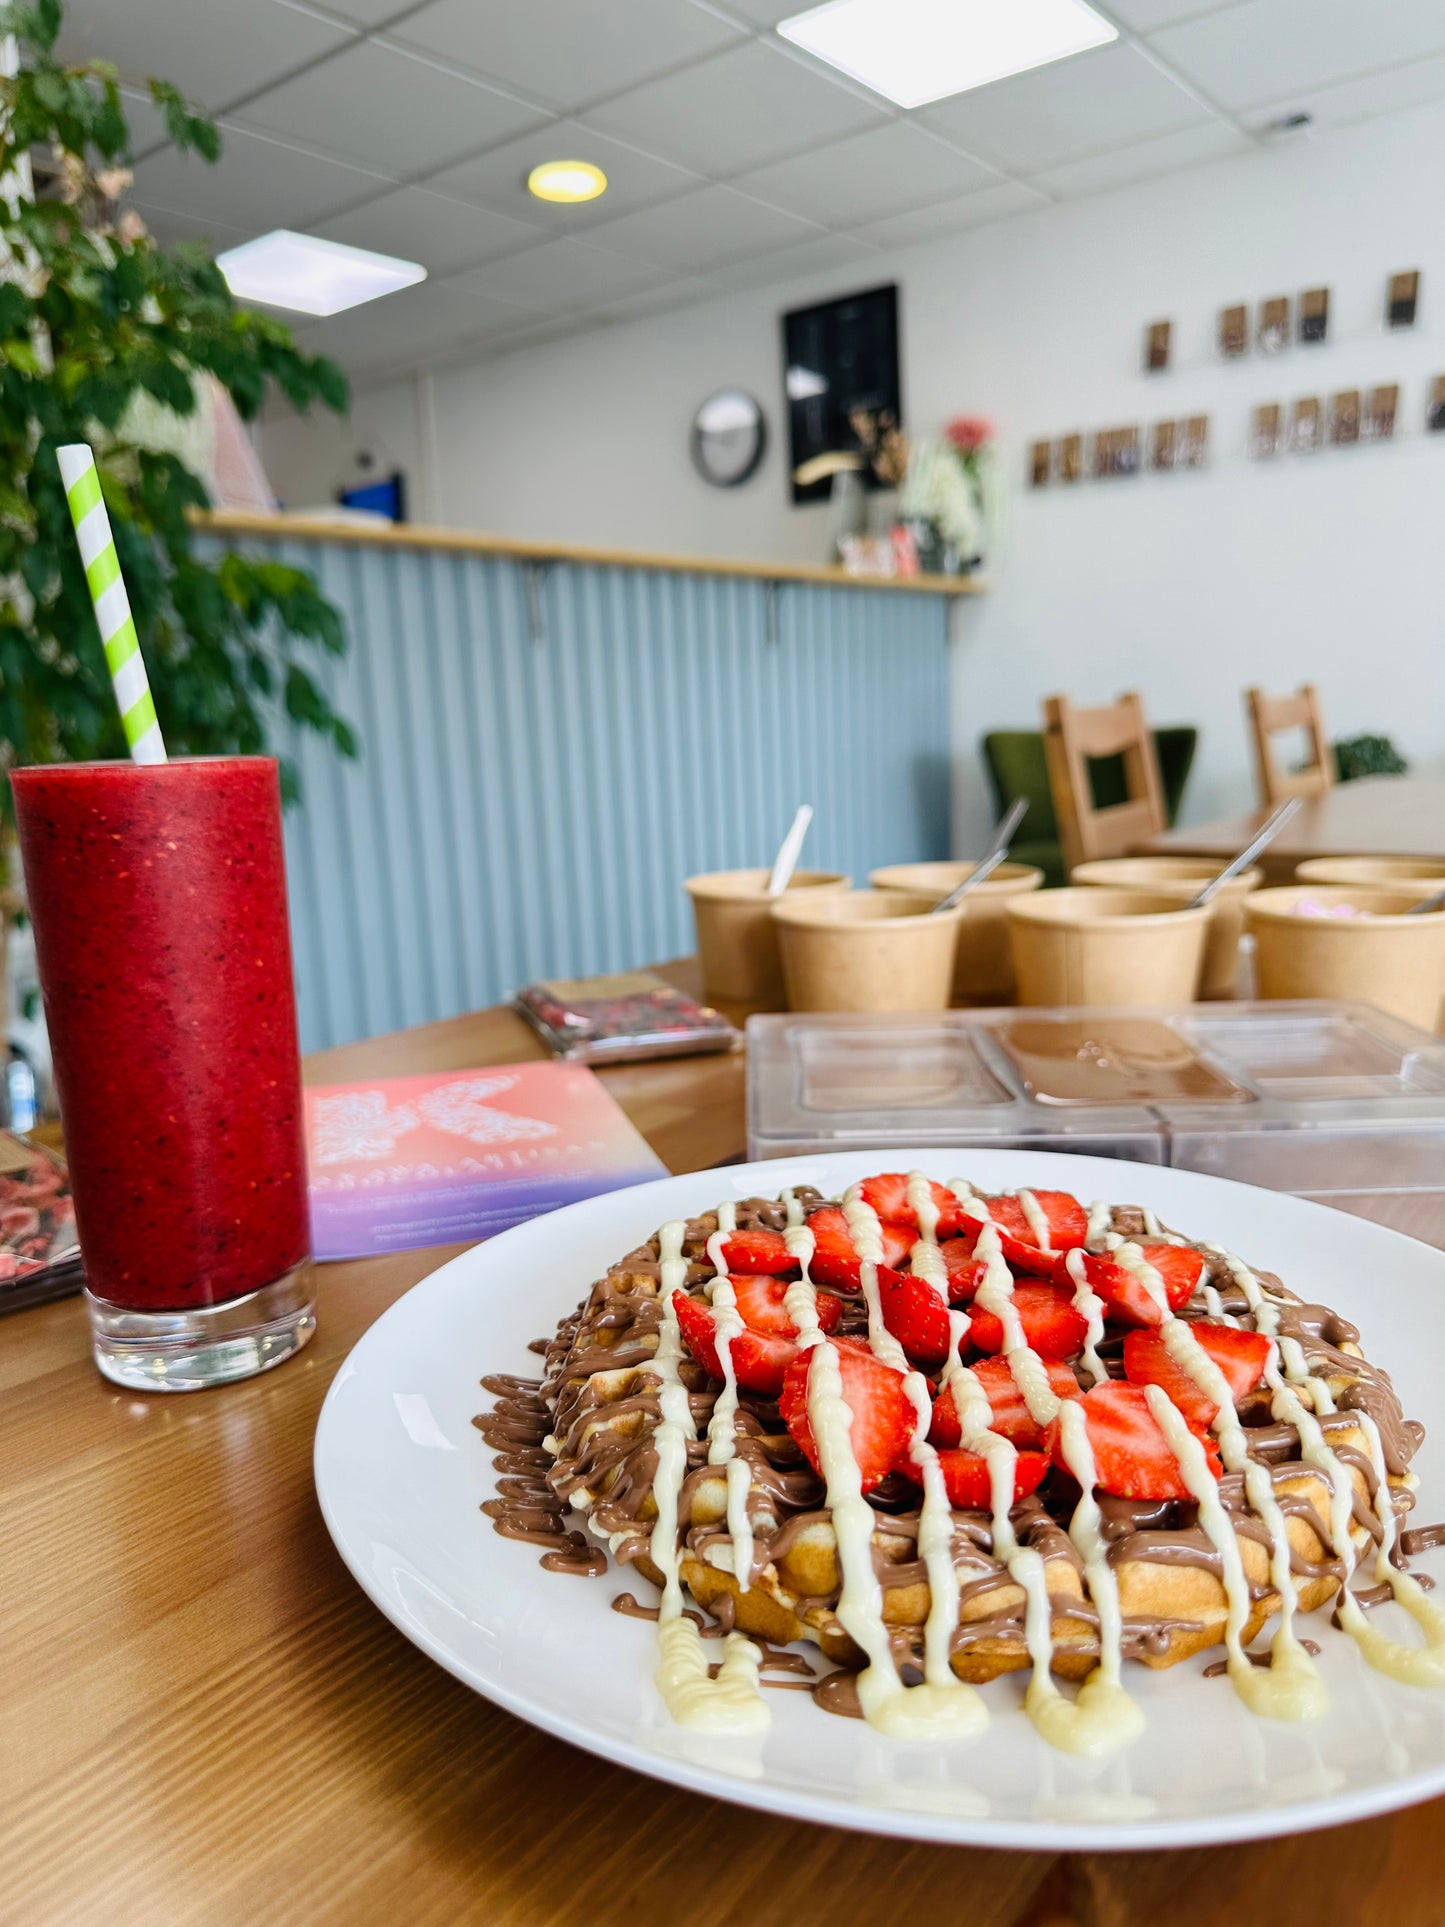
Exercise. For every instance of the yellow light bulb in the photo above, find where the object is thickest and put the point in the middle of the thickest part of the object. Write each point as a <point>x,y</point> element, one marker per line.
<point>567,181</point>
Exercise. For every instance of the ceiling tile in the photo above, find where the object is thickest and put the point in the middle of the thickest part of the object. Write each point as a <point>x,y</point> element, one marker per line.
<point>379,107</point>
<point>1273,48</point>
<point>168,226</point>
<point>738,110</point>
<point>1145,159</point>
<point>562,274</point>
<point>368,13</point>
<point>682,291</point>
<point>1145,16</point>
<point>497,179</point>
<point>568,51</point>
<point>948,217</point>
<point>441,233</point>
<point>1412,85</point>
<point>260,183</point>
<point>1100,99</point>
<point>215,54</point>
<point>409,325</point>
<point>767,13</point>
<point>823,256</point>
<point>883,171</point>
<point>701,231</point>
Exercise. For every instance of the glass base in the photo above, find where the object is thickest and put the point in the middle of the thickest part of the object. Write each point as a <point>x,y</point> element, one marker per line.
<point>185,1351</point>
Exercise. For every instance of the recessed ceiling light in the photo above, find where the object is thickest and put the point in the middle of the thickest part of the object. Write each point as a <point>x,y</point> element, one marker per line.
<point>914,51</point>
<point>567,181</point>
<point>311,276</point>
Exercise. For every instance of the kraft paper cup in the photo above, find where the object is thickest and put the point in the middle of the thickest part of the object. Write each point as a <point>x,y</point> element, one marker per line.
<point>1183,877</point>
<point>737,941</point>
<point>867,950</point>
<point>983,969</point>
<point>1384,958</point>
<point>1423,873</point>
<point>1126,948</point>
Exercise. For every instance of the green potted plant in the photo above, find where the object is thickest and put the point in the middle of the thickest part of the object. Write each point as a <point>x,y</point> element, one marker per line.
<point>104,334</point>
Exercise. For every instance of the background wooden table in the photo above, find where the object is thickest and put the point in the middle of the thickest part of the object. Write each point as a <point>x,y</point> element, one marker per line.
<point>1373,816</point>
<point>205,1722</point>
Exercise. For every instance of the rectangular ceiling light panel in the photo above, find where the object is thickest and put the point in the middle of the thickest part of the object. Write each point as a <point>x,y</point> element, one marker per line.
<point>311,276</point>
<point>914,51</point>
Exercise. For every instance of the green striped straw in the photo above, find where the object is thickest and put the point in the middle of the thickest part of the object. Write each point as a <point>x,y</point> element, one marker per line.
<point>112,605</point>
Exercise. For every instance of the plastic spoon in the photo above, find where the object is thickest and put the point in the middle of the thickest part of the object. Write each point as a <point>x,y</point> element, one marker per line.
<point>1272,827</point>
<point>991,858</point>
<point>1437,902</point>
<point>786,860</point>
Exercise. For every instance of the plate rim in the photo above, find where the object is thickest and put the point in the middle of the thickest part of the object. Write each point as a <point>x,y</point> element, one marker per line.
<point>769,1796</point>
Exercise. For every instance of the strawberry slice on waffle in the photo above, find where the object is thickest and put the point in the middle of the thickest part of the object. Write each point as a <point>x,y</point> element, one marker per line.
<point>1010,1416</point>
<point>966,1477</point>
<point>1132,1457</point>
<point>1051,1325</point>
<point>883,1417</point>
<point>888,1196</point>
<point>1240,1355</point>
<point>1180,1268</point>
<point>762,1353</point>
<point>835,1260</point>
<point>1067,1220</point>
<point>916,1316</point>
<point>760,1251</point>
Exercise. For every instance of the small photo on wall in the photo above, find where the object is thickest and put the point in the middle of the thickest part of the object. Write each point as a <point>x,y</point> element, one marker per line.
<point>1127,451</point>
<point>1274,325</point>
<point>1193,450</point>
<point>1306,429</point>
<point>1158,338</point>
<point>1435,408</point>
<point>1103,453</point>
<point>1265,431</point>
<point>1071,458</point>
<point>1314,315</point>
<point>1402,300</point>
<point>1345,417</point>
<point>1163,445</point>
<point>1041,461</point>
<point>1378,423</point>
<point>1234,332</point>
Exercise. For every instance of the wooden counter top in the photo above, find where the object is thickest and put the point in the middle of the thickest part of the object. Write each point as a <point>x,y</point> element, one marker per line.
<point>207,1724</point>
<point>404,535</point>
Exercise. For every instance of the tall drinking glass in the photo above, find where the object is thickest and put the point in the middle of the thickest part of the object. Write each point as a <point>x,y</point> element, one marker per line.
<point>158,896</point>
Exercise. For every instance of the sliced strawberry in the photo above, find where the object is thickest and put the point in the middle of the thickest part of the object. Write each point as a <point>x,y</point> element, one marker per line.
<point>835,1262</point>
<point>1240,1355</point>
<point>1052,1327</point>
<point>754,1252</point>
<point>916,1316</point>
<point>1180,1268</point>
<point>888,1196</point>
<point>1066,1218</point>
<point>1009,1415</point>
<point>760,1306</point>
<point>883,1414</point>
<point>965,1272</point>
<point>1132,1458</point>
<point>1016,1240</point>
<point>965,1475</point>
<point>759,1361</point>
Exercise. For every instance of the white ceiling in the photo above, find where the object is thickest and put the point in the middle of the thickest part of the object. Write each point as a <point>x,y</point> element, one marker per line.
<point>734,159</point>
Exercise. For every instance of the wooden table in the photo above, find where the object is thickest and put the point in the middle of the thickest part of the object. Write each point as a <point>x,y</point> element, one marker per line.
<point>1373,816</point>
<point>206,1724</point>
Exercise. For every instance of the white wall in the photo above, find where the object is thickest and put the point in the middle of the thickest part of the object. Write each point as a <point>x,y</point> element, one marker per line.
<point>1186,586</point>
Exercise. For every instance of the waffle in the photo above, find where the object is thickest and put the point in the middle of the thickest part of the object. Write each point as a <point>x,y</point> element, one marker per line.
<point>1322,1428</point>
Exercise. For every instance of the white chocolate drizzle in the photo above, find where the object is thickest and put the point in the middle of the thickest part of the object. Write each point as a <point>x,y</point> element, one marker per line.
<point>732,1702</point>
<point>1036,1219</point>
<point>1090,1306</point>
<point>722,1427</point>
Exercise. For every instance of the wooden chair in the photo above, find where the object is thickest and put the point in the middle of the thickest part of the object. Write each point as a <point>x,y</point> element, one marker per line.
<point>1075,738</point>
<point>1268,715</point>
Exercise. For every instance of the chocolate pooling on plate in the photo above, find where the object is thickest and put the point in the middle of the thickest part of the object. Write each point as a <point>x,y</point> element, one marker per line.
<point>668,1452</point>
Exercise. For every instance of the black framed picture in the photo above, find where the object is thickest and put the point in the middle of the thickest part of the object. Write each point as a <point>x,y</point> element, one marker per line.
<point>840,375</point>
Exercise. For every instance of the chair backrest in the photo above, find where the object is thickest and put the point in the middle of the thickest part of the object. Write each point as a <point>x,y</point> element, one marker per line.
<point>1075,738</point>
<point>1268,715</point>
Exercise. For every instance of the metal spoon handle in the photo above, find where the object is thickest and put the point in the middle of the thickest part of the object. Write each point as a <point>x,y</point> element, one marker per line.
<point>1273,824</point>
<point>991,858</point>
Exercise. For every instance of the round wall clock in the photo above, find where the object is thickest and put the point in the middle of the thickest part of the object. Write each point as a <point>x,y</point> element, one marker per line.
<point>729,434</point>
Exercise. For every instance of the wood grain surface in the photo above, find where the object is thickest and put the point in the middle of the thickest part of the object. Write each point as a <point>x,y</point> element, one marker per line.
<point>1373,816</point>
<point>206,1724</point>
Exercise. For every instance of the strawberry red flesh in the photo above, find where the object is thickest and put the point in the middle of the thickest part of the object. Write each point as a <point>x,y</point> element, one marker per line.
<point>761,1308</point>
<point>1132,1457</point>
<point>754,1252</point>
<point>758,1360</point>
<point>965,1272</point>
<point>916,1316</point>
<point>1240,1355</point>
<point>835,1261</point>
<point>883,1417</point>
<point>966,1477</point>
<point>1009,1415</point>
<point>888,1196</point>
<point>1128,1300</point>
<point>1051,1325</point>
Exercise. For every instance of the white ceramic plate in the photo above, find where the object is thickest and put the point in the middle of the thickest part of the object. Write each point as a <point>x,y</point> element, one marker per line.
<point>401,1471</point>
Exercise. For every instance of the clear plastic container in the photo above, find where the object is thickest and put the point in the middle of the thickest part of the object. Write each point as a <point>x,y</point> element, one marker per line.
<point>1333,1101</point>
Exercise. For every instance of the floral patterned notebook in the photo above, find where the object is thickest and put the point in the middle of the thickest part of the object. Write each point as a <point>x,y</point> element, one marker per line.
<point>398,1162</point>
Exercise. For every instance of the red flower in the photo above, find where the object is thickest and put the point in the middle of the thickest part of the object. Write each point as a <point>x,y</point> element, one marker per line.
<point>969,432</point>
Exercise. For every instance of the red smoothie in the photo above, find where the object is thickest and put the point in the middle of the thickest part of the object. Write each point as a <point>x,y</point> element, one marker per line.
<point>158,896</point>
